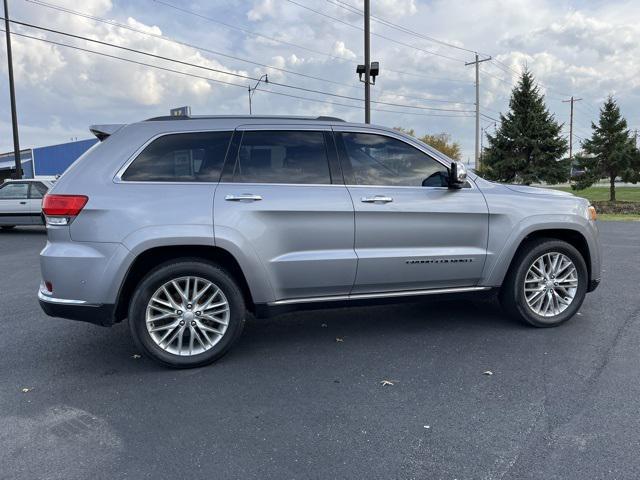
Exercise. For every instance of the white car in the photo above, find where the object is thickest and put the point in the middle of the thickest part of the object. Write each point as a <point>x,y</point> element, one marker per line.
<point>21,202</point>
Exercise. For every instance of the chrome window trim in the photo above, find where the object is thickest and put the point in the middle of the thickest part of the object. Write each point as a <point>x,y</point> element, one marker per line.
<point>365,296</point>
<point>396,136</point>
<point>262,184</point>
<point>472,186</point>
<point>402,138</point>
<point>118,176</point>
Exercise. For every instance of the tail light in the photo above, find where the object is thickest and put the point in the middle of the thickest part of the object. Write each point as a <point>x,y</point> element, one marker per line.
<point>61,209</point>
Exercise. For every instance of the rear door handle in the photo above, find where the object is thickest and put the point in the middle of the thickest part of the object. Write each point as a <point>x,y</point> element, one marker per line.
<point>245,197</point>
<point>23,203</point>
<point>377,199</point>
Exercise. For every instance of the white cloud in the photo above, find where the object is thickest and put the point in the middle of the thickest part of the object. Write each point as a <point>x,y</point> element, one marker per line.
<point>262,9</point>
<point>585,50</point>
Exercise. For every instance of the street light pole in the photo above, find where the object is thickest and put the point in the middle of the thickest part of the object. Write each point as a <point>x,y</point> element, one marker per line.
<point>367,63</point>
<point>12,95</point>
<point>252,90</point>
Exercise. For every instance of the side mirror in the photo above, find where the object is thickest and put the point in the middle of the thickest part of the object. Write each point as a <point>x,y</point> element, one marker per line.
<point>457,175</point>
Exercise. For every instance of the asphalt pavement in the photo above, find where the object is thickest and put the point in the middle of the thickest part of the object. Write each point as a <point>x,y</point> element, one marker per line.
<point>304,395</point>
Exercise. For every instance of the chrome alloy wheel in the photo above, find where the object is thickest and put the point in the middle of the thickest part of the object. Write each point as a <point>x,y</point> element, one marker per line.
<point>550,284</point>
<point>187,316</point>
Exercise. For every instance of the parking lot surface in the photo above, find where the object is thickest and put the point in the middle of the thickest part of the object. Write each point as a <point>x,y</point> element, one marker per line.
<point>376,392</point>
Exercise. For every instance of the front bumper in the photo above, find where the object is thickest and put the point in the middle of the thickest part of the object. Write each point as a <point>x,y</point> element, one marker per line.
<point>80,310</point>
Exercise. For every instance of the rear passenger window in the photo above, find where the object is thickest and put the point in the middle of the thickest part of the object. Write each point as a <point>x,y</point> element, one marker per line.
<point>282,157</point>
<point>182,157</point>
<point>37,190</point>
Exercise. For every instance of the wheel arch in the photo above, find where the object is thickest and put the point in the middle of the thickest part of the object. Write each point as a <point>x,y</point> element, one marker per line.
<point>152,257</point>
<point>570,234</point>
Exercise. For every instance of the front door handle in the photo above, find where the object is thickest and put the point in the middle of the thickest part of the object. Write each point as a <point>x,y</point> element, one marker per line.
<point>245,197</point>
<point>377,199</point>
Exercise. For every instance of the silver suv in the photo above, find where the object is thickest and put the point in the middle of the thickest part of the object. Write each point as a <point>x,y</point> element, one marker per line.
<point>183,225</point>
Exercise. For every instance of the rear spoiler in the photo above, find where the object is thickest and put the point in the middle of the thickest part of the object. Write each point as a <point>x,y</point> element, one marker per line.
<point>103,131</point>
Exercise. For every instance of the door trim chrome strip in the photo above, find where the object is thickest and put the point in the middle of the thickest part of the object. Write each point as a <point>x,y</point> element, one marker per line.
<point>365,296</point>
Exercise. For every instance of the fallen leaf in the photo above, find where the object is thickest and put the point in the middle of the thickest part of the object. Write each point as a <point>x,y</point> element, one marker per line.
<point>427,426</point>
<point>384,383</point>
<point>488,372</point>
<point>339,339</point>
<point>26,390</point>
<point>136,356</point>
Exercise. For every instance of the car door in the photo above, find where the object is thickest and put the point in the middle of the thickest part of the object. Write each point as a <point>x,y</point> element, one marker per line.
<point>14,203</point>
<point>37,190</point>
<point>283,195</point>
<point>412,232</point>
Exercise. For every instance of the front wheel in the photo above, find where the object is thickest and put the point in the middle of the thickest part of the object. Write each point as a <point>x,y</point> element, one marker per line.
<point>186,313</point>
<point>546,284</point>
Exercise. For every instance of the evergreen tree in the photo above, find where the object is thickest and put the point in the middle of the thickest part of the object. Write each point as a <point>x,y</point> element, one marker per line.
<point>610,152</point>
<point>528,146</point>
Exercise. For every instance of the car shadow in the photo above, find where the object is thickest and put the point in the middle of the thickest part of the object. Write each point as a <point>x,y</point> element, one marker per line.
<point>313,329</point>
<point>22,230</point>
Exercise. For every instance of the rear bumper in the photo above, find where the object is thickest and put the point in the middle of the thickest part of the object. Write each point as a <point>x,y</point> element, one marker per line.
<point>102,315</point>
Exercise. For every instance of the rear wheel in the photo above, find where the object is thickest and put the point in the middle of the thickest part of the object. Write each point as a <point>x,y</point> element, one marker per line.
<point>186,313</point>
<point>546,284</point>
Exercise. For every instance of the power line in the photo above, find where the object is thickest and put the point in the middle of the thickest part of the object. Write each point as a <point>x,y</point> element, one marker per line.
<point>237,75</point>
<point>214,52</point>
<point>428,77</point>
<point>193,75</point>
<point>179,42</point>
<point>490,117</point>
<point>353,9</point>
<point>283,42</point>
<point>247,31</point>
<point>375,34</point>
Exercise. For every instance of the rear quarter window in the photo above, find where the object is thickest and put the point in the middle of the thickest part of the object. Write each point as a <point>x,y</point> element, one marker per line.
<point>181,157</point>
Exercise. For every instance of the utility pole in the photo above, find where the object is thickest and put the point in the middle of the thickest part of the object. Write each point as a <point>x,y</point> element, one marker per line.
<point>477,64</point>
<point>367,62</point>
<point>571,101</point>
<point>12,95</point>
<point>481,142</point>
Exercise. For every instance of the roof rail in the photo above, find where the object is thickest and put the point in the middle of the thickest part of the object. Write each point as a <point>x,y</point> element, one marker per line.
<point>276,117</point>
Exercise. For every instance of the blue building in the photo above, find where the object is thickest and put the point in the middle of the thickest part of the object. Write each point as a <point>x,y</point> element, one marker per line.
<point>45,161</point>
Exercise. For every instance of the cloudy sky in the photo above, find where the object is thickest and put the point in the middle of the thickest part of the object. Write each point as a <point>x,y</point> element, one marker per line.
<point>588,49</point>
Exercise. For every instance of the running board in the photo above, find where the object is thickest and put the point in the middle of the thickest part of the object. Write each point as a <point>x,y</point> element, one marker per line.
<point>365,296</point>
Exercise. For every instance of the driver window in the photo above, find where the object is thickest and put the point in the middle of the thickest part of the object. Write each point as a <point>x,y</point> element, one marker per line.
<point>382,160</point>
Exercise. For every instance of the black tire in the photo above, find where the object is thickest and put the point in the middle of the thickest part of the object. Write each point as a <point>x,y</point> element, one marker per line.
<point>512,296</point>
<point>8,227</point>
<point>173,270</point>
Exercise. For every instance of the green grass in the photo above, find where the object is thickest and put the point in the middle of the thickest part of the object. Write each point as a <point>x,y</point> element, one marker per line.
<point>619,217</point>
<point>601,194</point>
